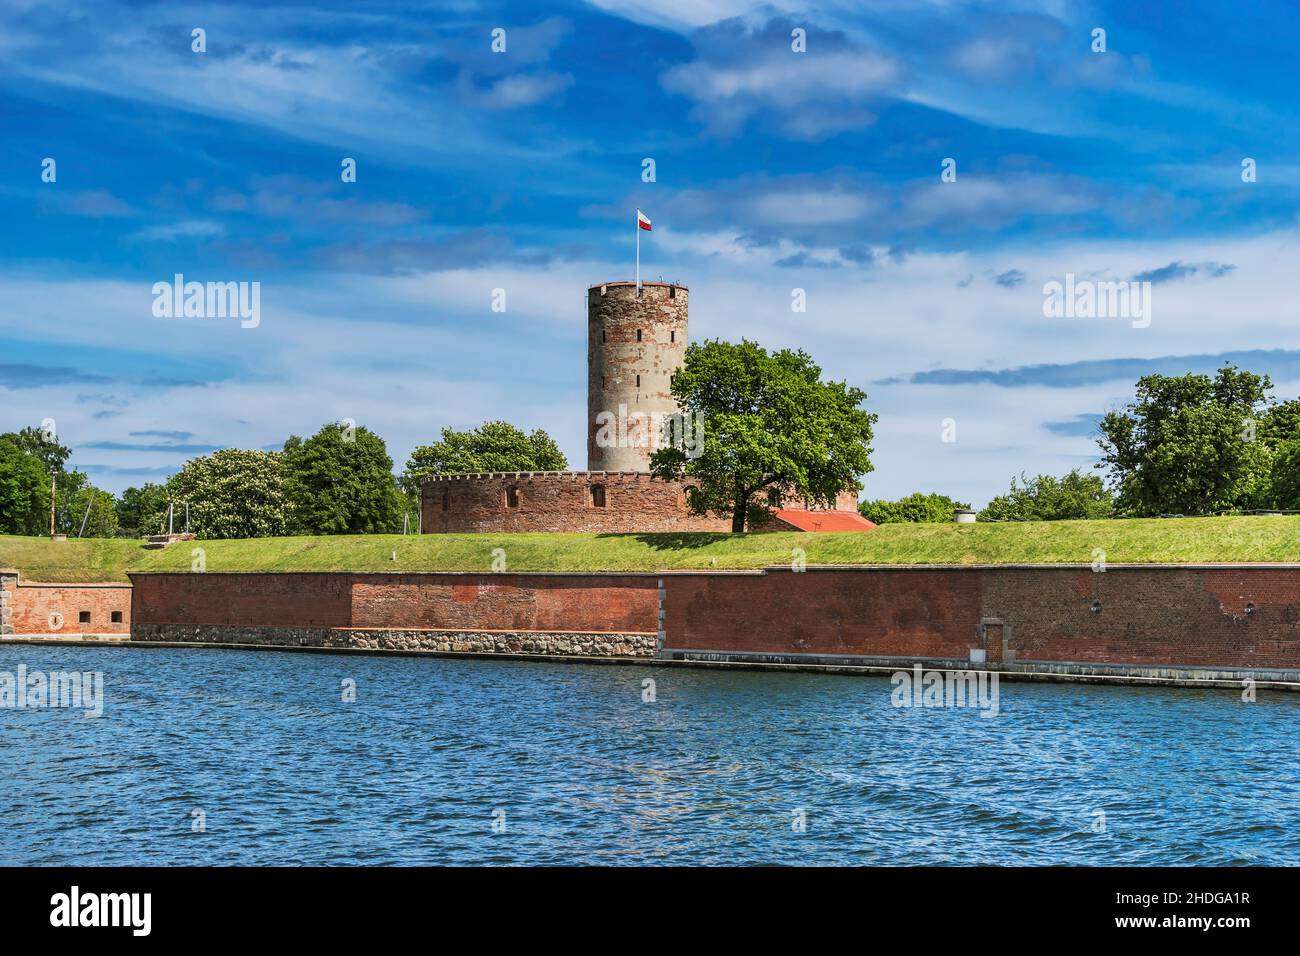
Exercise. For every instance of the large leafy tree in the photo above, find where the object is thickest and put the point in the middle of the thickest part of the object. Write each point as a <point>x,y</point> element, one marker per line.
<point>231,494</point>
<point>1193,445</point>
<point>1047,498</point>
<point>46,447</point>
<point>340,481</point>
<point>139,510</point>
<point>917,507</point>
<point>493,446</point>
<point>772,429</point>
<point>24,491</point>
<point>91,513</point>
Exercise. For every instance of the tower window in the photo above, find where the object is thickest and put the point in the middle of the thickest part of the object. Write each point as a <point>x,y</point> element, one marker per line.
<point>512,497</point>
<point>446,501</point>
<point>604,335</point>
<point>672,336</point>
<point>638,381</point>
<point>602,381</point>
<point>598,496</point>
<point>638,335</point>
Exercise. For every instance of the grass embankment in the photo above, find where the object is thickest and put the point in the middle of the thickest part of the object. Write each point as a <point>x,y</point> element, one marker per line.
<point>1171,540</point>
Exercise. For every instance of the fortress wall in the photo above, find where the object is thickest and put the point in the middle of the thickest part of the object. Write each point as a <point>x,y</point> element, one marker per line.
<point>28,607</point>
<point>497,602</point>
<point>558,501</point>
<point>1185,623</point>
<point>1131,616</point>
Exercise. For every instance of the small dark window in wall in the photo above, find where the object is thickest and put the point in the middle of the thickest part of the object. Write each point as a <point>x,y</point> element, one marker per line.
<point>512,497</point>
<point>598,496</point>
<point>638,381</point>
<point>602,381</point>
<point>446,501</point>
<point>116,617</point>
<point>83,617</point>
<point>602,336</point>
<point>672,336</point>
<point>638,335</point>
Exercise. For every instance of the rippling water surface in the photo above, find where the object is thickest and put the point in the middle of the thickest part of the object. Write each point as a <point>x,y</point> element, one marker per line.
<point>580,770</point>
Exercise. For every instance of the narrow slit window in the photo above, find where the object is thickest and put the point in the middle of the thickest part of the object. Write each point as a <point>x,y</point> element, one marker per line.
<point>638,381</point>
<point>638,335</point>
<point>672,336</point>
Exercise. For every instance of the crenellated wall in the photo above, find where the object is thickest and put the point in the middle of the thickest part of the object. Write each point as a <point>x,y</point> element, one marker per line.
<point>558,501</point>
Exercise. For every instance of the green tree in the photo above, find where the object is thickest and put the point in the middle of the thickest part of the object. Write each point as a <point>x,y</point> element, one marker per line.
<point>231,494</point>
<point>36,442</point>
<point>1191,444</point>
<point>917,506</point>
<point>94,506</point>
<point>771,425</point>
<point>1046,498</point>
<point>140,510</point>
<point>24,491</point>
<point>493,446</point>
<point>340,481</point>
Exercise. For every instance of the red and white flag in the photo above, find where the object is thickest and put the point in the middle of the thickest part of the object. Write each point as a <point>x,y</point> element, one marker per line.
<point>643,220</point>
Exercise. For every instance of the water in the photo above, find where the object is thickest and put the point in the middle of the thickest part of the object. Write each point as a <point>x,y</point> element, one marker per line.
<point>713,772</point>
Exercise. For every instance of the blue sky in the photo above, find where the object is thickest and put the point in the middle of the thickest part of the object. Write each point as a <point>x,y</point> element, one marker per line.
<point>521,171</point>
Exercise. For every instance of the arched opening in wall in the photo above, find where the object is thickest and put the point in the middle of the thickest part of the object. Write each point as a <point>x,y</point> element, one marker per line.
<point>446,501</point>
<point>512,496</point>
<point>598,496</point>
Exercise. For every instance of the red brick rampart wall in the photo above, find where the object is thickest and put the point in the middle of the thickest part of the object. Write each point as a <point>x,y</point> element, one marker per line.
<point>1143,616</point>
<point>604,603</point>
<point>1222,616</point>
<point>28,607</point>
<point>558,501</point>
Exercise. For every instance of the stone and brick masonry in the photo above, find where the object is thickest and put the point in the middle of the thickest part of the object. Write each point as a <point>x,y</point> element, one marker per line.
<point>69,610</point>
<point>1130,622</point>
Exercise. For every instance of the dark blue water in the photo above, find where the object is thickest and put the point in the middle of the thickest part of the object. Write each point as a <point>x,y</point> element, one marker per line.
<point>712,772</point>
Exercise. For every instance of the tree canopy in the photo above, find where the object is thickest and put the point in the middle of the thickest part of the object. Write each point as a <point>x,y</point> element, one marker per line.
<point>231,494</point>
<point>493,446</point>
<point>24,491</point>
<point>1194,445</point>
<point>1046,498</point>
<point>770,424</point>
<point>340,481</point>
<point>917,507</point>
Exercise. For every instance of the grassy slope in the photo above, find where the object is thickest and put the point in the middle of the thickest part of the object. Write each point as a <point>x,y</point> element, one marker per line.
<point>1158,540</point>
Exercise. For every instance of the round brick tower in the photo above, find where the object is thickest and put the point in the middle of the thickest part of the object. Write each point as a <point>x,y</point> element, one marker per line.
<point>634,344</point>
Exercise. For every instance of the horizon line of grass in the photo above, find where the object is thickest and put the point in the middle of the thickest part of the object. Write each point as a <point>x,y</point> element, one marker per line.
<point>1229,539</point>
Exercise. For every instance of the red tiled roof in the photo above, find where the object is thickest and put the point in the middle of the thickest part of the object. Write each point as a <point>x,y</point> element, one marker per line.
<point>824,520</point>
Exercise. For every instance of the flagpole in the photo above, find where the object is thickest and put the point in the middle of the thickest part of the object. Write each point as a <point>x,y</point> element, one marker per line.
<point>638,251</point>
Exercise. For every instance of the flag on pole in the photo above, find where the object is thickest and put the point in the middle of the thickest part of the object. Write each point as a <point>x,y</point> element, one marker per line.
<point>642,222</point>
